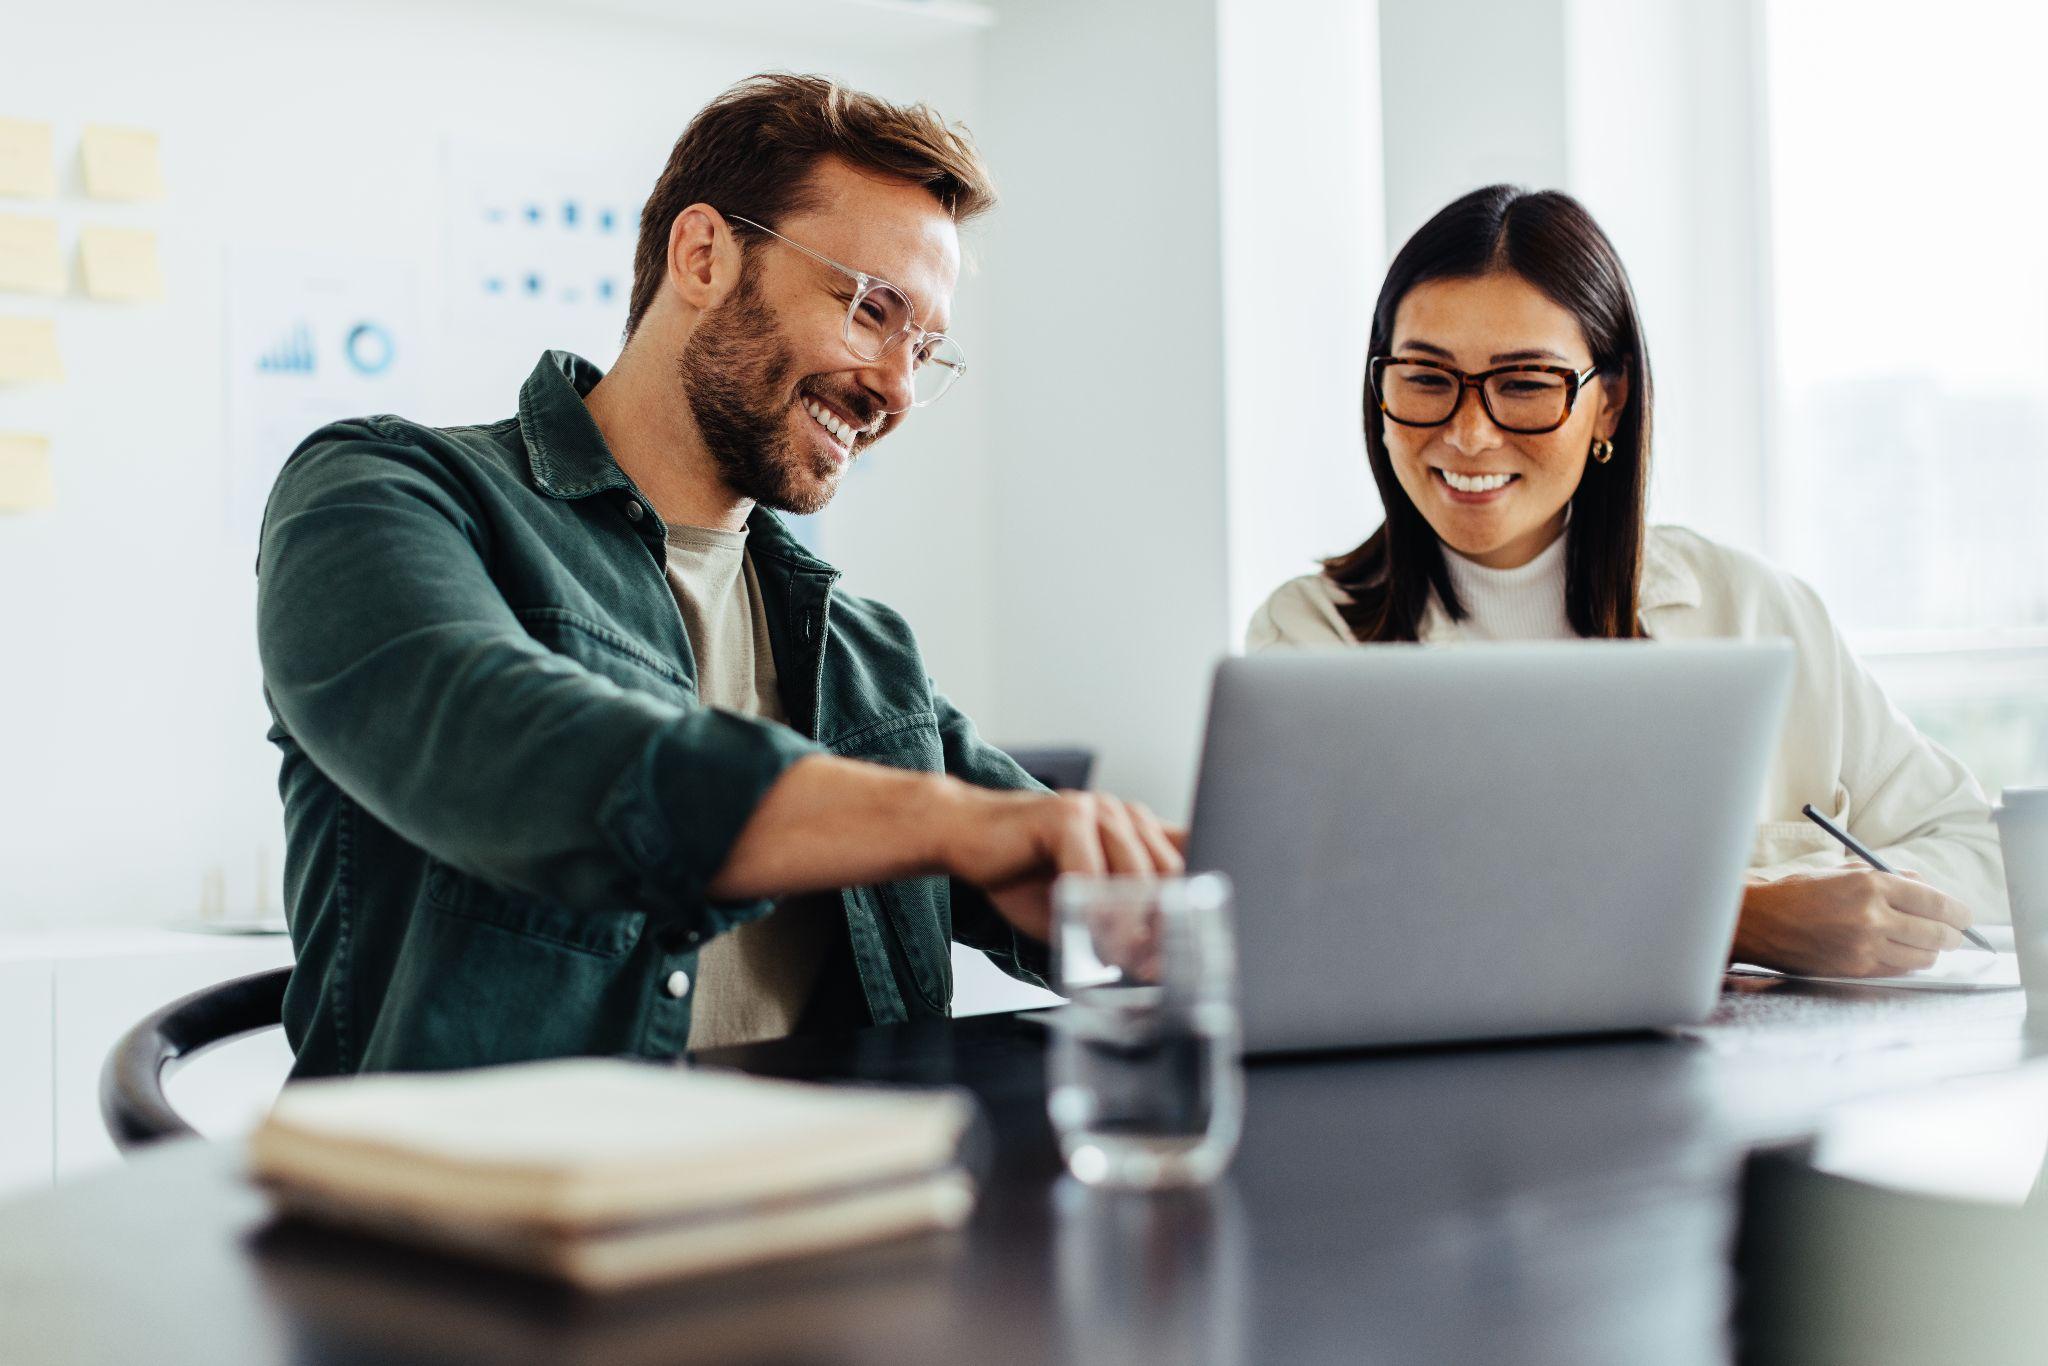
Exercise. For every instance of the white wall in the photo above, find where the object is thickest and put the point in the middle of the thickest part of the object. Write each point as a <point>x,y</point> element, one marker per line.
<point>1106,418</point>
<point>1304,249</point>
<point>1647,114</point>
<point>1472,94</point>
<point>134,756</point>
<point>1666,148</point>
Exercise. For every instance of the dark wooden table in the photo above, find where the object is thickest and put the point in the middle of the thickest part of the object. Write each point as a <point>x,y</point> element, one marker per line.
<point>1565,1202</point>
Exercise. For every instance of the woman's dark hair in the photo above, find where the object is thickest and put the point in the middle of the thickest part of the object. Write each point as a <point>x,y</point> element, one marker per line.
<point>1548,239</point>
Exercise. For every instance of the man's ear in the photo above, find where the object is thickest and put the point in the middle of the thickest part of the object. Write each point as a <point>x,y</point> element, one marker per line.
<point>703,257</point>
<point>1614,398</point>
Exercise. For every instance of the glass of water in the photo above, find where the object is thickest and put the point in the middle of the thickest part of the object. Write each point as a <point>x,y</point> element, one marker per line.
<point>1145,1087</point>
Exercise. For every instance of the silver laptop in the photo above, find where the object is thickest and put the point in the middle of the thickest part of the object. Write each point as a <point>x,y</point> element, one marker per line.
<point>1484,842</point>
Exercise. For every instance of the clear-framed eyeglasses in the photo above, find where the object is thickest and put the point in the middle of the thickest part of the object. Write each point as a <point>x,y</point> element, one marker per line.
<point>878,317</point>
<point>1527,399</point>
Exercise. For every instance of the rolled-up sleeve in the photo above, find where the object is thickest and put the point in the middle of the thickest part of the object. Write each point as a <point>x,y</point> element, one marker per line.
<point>1913,802</point>
<point>395,663</point>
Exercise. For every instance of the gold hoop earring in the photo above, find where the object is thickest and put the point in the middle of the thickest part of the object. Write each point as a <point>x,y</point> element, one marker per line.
<point>1602,452</point>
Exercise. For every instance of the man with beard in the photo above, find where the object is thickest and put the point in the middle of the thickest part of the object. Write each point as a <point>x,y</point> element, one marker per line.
<point>583,753</point>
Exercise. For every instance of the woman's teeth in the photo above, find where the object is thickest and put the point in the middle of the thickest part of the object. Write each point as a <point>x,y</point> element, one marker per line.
<point>1476,483</point>
<point>823,416</point>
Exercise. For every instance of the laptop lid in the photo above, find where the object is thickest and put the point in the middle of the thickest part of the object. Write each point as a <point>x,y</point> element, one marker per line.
<point>1488,841</point>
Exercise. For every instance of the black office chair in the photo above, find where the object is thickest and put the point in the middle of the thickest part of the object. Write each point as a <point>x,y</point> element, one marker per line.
<point>132,1100</point>
<point>1061,768</point>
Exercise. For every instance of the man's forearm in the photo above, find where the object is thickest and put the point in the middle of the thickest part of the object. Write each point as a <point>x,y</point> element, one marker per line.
<point>830,822</point>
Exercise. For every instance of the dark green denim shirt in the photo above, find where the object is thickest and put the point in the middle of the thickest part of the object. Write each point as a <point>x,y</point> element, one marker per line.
<point>503,802</point>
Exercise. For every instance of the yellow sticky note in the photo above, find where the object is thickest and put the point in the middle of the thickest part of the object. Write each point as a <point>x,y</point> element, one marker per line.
<point>29,260</point>
<point>28,351</point>
<point>25,480</point>
<point>28,160</point>
<point>121,163</point>
<point>120,263</point>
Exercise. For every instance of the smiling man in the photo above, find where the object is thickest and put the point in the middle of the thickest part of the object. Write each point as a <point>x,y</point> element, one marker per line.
<point>582,752</point>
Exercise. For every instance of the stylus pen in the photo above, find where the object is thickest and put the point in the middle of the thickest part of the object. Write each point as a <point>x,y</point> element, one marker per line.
<point>1855,846</point>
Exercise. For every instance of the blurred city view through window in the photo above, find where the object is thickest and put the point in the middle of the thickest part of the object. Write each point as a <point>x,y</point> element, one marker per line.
<point>1910,478</point>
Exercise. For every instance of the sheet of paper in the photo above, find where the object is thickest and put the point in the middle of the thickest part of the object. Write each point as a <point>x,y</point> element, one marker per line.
<point>28,160</point>
<point>29,260</point>
<point>25,480</point>
<point>120,264</point>
<point>121,163</point>
<point>28,351</point>
<point>1957,970</point>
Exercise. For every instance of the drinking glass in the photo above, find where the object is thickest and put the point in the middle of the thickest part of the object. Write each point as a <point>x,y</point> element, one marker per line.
<point>1145,1088</point>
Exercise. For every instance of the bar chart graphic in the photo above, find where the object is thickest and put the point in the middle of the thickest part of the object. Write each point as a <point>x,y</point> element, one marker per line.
<point>292,354</point>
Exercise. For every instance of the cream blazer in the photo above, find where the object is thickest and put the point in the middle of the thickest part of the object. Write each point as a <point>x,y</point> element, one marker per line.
<point>1845,747</point>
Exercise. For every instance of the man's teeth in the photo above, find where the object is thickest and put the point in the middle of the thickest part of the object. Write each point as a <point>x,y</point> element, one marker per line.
<point>1475,483</point>
<point>822,415</point>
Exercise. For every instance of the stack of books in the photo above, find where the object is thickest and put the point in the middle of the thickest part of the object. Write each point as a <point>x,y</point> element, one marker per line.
<point>609,1174</point>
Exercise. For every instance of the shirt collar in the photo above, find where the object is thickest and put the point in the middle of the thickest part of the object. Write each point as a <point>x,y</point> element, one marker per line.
<point>768,534</point>
<point>570,459</point>
<point>563,444</point>
<point>1668,581</point>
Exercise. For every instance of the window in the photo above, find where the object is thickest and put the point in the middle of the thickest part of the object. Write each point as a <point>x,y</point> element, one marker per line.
<point>1911,480</point>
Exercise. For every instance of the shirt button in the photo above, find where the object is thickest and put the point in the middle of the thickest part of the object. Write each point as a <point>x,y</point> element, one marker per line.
<point>634,512</point>
<point>679,984</point>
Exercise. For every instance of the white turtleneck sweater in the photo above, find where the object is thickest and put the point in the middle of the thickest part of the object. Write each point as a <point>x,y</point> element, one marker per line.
<point>1526,603</point>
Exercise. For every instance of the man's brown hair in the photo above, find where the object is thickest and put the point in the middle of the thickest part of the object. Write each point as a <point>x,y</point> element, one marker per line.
<point>750,152</point>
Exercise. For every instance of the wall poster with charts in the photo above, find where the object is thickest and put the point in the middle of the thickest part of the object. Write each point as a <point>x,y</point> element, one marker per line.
<point>539,254</point>
<point>311,338</point>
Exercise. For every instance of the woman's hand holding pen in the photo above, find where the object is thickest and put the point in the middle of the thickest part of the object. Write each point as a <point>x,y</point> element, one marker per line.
<point>1849,922</point>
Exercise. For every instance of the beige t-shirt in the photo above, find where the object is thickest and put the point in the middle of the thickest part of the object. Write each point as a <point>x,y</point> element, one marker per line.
<point>753,982</point>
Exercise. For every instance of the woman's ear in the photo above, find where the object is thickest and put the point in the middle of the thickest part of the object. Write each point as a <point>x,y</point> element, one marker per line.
<point>1613,399</point>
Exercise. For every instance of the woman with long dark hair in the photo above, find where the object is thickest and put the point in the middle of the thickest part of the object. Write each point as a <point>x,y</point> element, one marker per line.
<point>1507,422</point>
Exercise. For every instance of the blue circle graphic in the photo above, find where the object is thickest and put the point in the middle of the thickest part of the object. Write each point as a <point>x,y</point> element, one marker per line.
<point>369,349</point>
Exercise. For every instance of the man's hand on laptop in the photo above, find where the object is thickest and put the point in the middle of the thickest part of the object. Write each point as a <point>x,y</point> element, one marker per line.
<point>1851,922</point>
<point>1013,844</point>
<point>831,822</point>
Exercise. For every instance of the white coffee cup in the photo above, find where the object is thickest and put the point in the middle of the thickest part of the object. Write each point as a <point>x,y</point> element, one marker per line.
<point>2022,816</point>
